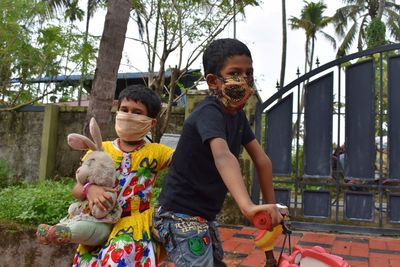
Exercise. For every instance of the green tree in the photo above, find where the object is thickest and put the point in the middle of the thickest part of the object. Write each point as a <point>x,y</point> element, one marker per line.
<point>312,21</point>
<point>352,20</point>
<point>179,30</point>
<point>34,42</point>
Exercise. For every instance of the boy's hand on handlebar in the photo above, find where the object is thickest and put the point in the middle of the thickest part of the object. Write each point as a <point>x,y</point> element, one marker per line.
<point>271,209</point>
<point>274,212</point>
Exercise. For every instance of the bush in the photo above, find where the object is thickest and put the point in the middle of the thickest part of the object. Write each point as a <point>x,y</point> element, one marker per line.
<point>45,202</point>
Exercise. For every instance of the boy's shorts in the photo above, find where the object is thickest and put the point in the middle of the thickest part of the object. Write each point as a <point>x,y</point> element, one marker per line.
<point>188,240</point>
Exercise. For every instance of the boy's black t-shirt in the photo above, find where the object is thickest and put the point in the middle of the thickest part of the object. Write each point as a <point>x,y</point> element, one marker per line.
<point>193,184</point>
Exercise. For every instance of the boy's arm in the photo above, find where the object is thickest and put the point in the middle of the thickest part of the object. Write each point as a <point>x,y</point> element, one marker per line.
<point>263,167</point>
<point>229,169</point>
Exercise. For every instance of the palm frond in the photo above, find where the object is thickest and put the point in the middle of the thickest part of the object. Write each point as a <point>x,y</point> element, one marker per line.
<point>392,6</point>
<point>329,38</point>
<point>394,29</point>
<point>342,16</point>
<point>348,40</point>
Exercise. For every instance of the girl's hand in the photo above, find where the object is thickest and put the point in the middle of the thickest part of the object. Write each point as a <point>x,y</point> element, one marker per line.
<point>97,195</point>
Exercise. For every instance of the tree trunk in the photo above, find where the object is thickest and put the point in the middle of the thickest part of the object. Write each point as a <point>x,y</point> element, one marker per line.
<point>109,58</point>
<point>381,8</point>
<point>284,45</point>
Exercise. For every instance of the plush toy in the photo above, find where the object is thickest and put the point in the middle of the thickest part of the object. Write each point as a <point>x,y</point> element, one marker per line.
<point>84,225</point>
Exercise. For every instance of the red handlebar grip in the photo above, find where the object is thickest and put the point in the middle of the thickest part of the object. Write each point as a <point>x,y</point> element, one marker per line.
<point>263,220</point>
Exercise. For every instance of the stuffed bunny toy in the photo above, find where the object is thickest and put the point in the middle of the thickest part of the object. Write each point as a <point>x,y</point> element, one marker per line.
<point>84,225</point>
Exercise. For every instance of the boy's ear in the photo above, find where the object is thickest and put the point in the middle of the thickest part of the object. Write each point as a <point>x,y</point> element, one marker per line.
<point>212,81</point>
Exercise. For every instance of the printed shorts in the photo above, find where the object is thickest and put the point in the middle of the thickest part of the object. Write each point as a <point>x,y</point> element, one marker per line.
<point>188,240</point>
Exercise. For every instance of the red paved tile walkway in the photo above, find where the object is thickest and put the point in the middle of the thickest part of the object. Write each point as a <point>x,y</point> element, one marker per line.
<point>357,250</point>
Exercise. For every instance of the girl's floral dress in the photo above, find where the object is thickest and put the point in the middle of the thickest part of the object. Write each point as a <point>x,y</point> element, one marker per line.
<point>130,243</point>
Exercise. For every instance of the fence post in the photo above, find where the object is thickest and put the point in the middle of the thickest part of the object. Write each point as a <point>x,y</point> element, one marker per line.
<point>49,142</point>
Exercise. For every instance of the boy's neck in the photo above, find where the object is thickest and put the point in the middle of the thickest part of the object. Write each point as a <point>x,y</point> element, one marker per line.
<point>130,146</point>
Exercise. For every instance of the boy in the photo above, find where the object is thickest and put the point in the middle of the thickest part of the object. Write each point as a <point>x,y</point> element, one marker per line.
<point>205,165</point>
<point>137,164</point>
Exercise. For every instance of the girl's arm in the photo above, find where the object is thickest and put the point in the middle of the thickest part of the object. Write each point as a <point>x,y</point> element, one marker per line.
<point>77,191</point>
<point>95,195</point>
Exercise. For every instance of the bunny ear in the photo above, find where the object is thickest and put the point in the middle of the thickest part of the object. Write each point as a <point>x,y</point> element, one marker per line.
<point>80,142</point>
<point>96,134</point>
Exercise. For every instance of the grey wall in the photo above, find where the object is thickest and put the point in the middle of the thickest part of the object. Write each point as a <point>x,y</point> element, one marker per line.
<point>21,136</point>
<point>20,141</point>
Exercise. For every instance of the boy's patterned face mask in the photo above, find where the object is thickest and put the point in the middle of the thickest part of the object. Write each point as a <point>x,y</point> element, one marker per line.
<point>236,91</point>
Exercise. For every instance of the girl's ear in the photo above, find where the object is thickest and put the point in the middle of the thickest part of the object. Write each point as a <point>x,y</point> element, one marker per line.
<point>153,122</point>
<point>212,81</point>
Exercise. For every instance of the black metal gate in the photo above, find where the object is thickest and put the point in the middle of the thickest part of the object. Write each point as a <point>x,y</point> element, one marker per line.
<point>336,162</point>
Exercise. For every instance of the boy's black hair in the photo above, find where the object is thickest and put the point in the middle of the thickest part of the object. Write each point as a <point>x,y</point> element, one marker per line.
<point>139,92</point>
<point>215,55</point>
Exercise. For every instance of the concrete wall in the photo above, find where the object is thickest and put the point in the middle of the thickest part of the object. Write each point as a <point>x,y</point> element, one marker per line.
<point>20,141</point>
<point>27,145</point>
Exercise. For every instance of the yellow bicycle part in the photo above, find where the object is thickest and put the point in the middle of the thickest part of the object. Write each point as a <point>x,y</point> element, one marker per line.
<point>266,239</point>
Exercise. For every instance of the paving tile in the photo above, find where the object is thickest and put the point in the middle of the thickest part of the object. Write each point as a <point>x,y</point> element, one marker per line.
<point>394,262</point>
<point>394,245</point>
<point>230,245</point>
<point>378,260</point>
<point>341,247</point>
<point>359,249</point>
<point>253,261</point>
<point>245,248</point>
<point>226,233</point>
<point>248,231</point>
<point>359,264</point>
<point>376,243</point>
<point>318,238</point>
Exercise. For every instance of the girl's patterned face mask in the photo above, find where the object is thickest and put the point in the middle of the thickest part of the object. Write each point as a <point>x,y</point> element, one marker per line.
<point>236,91</point>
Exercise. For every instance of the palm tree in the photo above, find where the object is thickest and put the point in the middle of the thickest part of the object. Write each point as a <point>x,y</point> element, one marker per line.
<point>352,20</point>
<point>312,21</point>
<point>108,61</point>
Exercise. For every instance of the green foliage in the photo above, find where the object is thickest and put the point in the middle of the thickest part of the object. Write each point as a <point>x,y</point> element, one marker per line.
<point>36,42</point>
<point>45,202</point>
<point>351,23</point>
<point>376,32</point>
<point>300,161</point>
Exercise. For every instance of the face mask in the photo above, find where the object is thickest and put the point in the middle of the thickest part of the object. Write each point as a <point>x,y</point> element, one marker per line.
<point>132,127</point>
<point>236,91</point>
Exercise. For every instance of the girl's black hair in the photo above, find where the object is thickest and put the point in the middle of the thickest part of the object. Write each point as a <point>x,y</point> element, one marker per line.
<point>139,92</point>
<point>218,51</point>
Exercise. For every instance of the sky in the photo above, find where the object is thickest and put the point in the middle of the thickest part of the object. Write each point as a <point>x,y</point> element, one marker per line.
<point>261,31</point>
